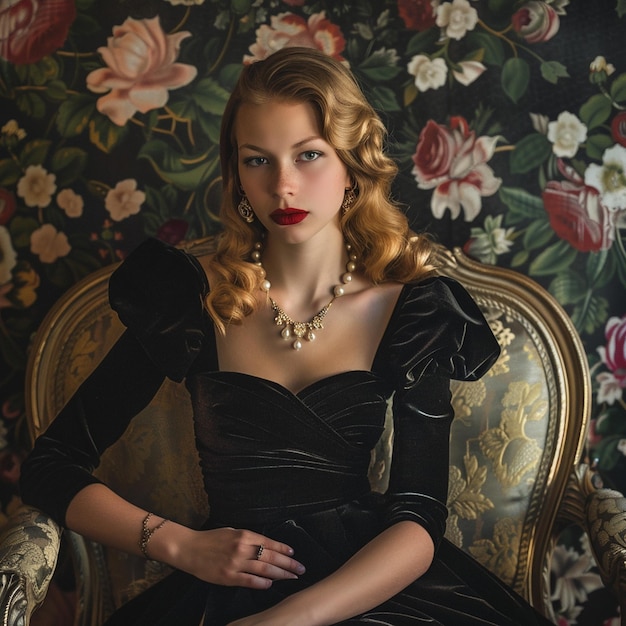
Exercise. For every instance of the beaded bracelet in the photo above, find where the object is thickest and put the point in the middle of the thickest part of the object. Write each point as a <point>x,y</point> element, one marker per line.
<point>146,534</point>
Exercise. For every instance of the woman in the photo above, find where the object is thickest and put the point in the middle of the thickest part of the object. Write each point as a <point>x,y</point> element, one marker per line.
<point>286,411</point>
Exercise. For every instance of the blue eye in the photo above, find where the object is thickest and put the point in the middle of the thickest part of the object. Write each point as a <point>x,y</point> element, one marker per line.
<point>311,155</point>
<point>255,161</point>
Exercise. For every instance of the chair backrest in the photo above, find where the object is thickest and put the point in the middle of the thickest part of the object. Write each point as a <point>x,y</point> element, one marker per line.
<point>517,435</point>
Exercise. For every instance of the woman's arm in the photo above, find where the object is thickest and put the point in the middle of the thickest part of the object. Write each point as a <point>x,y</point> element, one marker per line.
<point>225,556</point>
<point>384,567</point>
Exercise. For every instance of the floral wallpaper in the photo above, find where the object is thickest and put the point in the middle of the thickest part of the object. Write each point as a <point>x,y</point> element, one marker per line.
<point>507,118</point>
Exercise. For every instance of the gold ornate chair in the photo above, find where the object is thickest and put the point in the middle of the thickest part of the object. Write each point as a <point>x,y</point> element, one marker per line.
<point>516,478</point>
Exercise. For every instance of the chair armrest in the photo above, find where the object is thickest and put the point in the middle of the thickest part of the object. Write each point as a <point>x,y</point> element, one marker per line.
<point>601,513</point>
<point>29,546</point>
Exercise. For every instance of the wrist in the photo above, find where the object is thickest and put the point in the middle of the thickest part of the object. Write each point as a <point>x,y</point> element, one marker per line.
<point>166,543</point>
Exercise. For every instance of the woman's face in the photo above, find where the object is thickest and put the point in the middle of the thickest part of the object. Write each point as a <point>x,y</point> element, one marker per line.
<point>293,178</point>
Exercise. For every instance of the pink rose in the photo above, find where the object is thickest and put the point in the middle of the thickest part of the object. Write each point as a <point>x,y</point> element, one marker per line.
<point>140,70</point>
<point>417,14</point>
<point>289,30</point>
<point>453,161</point>
<point>30,30</point>
<point>536,21</point>
<point>614,353</point>
<point>576,213</point>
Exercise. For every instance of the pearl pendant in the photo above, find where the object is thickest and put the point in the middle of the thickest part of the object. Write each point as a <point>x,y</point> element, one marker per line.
<point>285,333</point>
<point>297,345</point>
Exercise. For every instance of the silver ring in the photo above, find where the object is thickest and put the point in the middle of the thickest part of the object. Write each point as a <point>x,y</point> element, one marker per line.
<point>259,552</point>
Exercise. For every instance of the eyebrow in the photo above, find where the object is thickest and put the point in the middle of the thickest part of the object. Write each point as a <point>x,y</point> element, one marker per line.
<point>251,146</point>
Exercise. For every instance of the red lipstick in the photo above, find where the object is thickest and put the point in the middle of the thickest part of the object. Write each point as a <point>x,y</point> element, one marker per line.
<point>288,216</point>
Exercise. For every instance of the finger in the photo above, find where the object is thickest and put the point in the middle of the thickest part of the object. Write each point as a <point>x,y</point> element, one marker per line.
<point>284,565</point>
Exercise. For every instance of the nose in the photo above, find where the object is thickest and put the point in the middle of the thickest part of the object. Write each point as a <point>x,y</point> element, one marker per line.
<point>285,182</point>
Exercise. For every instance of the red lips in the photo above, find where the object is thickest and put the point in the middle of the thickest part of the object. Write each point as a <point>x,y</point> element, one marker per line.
<point>288,216</point>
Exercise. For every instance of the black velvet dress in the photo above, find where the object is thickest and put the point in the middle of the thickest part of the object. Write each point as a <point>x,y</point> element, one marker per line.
<point>291,466</point>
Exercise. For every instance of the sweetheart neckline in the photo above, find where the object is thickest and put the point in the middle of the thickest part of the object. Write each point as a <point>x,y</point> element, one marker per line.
<point>301,393</point>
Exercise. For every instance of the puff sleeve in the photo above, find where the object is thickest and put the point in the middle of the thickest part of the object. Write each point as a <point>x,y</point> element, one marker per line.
<point>157,293</point>
<point>437,333</point>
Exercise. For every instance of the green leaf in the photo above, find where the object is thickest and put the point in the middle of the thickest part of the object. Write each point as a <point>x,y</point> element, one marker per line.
<point>556,258</point>
<point>515,78</point>
<point>530,152</point>
<point>538,234</point>
<point>186,172</point>
<point>10,172</point>
<point>595,111</point>
<point>74,114</point>
<point>553,70</point>
<point>56,90</point>
<point>31,103</point>
<point>568,288</point>
<point>379,67</point>
<point>493,50</point>
<point>621,8</point>
<point>520,258</point>
<point>422,42</point>
<point>383,99</point>
<point>600,268</point>
<point>104,134</point>
<point>210,96</point>
<point>591,315</point>
<point>68,164</point>
<point>618,88</point>
<point>85,25</point>
<point>522,205</point>
<point>210,125</point>
<point>229,75</point>
<point>596,144</point>
<point>35,152</point>
<point>21,229</point>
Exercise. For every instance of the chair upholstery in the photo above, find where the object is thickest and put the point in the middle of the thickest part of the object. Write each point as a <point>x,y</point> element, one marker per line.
<point>516,478</point>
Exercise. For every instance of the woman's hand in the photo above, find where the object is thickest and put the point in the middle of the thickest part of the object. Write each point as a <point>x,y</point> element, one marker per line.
<point>225,556</point>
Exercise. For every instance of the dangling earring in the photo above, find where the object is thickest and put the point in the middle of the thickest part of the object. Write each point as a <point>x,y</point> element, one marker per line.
<point>348,199</point>
<point>245,210</point>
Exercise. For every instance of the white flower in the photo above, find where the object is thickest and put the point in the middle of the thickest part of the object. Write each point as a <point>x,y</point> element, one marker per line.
<point>124,200</point>
<point>621,446</point>
<point>487,244</point>
<point>36,186</point>
<point>566,134</point>
<point>457,17</point>
<point>610,177</point>
<point>12,129</point>
<point>428,74</point>
<point>49,244</point>
<point>573,579</point>
<point>8,256</point>
<point>599,64</point>
<point>609,389</point>
<point>70,202</point>
<point>470,71</point>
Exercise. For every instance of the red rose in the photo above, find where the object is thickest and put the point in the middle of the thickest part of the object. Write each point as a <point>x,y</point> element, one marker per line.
<point>536,21</point>
<point>577,215</point>
<point>417,14</point>
<point>618,128</point>
<point>7,205</point>
<point>34,29</point>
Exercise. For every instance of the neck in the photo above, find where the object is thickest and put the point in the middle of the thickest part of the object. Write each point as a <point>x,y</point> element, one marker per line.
<point>303,275</point>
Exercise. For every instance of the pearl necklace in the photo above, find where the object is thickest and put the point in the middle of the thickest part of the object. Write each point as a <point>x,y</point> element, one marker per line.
<point>303,330</point>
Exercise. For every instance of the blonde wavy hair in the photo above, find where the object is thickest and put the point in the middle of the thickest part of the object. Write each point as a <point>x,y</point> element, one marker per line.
<point>375,226</point>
